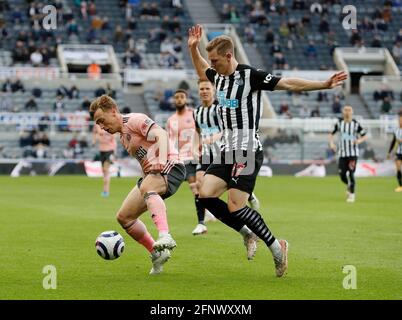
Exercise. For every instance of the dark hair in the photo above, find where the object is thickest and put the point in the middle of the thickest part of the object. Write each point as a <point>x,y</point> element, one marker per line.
<point>181,91</point>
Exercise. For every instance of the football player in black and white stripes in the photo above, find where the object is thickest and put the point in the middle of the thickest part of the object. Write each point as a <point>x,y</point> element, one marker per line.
<point>238,88</point>
<point>397,144</point>
<point>351,135</point>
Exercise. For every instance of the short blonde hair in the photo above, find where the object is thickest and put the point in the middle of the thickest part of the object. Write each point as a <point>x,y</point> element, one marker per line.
<point>103,102</point>
<point>223,44</point>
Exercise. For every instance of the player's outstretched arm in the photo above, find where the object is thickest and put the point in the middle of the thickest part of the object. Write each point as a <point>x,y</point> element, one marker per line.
<point>298,84</point>
<point>200,64</point>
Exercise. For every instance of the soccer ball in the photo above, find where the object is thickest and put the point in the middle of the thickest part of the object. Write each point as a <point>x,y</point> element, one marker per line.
<point>109,245</point>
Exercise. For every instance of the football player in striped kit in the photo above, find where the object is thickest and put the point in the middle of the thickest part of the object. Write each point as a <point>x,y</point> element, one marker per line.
<point>238,88</point>
<point>208,126</point>
<point>163,174</point>
<point>396,144</point>
<point>351,135</point>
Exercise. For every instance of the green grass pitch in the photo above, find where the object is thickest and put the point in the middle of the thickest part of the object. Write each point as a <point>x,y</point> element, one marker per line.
<point>55,220</point>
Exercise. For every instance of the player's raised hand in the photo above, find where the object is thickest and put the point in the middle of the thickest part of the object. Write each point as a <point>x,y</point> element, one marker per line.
<point>194,36</point>
<point>336,80</point>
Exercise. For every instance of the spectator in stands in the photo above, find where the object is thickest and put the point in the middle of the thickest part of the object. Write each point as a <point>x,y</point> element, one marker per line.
<point>36,58</point>
<point>109,91</point>
<point>234,16</point>
<point>94,71</point>
<point>322,96</point>
<point>72,28</point>
<point>132,24</point>
<point>397,52</point>
<point>63,124</point>
<point>85,104</point>
<point>91,35</point>
<point>17,86</point>
<point>366,25</point>
<point>304,111</point>
<point>386,92</point>
<point>336,106</point>
<point>154,11</point>
<point>59,104</point>
<point>269,36</point>
<point>74,92</point>
<point>6,104</point>
<point>280,62</point>
<point>284,30</point>
<point>249,34</point>
<point>62,91</point>
<point>44,121</point>
<point>20,53</point>
<point>118,34</point>
<point>355,37</point>
<point>40,145</point>
<point>84,10</point>
<point>126,110</point>
<point>311,51</point>
<point>376,42</point>
<point>17,15</point>
<point>247,7</point>
<point>225,12</point>
<point>369,153</point>
<point>258,13</point>
<point>136,59</point>
<point>323,26</point>
<point>7,86</point>
<point>100,91</point>
<point>91,8</point>
<point>275,48</point>
<point>97,22</point>
<point>298,5</point>
<point>386,105</point>
<point>31,104</point>
<point>398,37</point>
<point>283,108</point>
<point>315,112</point>
<point>145,12</point>
<point>169,60</point>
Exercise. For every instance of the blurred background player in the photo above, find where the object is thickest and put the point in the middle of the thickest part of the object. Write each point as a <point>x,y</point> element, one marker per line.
<point>181,130</point>
<point>238,93</point>
<point>351,135</point>
<point>162,175</point>
<point>107,151</point>
<point>397,144</point>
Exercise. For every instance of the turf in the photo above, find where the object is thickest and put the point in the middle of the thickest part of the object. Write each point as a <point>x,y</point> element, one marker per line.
<point>55,220</point>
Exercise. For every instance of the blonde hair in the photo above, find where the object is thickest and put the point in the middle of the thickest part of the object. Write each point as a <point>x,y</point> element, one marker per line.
<point>223,44</point>
<point>104,102</point>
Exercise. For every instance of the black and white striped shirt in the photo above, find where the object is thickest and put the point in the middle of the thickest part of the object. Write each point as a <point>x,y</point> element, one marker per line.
<point>349,133</point>
<point>208,122</point>
<point>397,137</point>
<point>239,98</point>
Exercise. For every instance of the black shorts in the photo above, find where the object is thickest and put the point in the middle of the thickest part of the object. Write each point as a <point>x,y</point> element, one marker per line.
<point>347,164</point>
<point>202,167</point>
<point>106,156</point>
<point>190,169</point>
<point>238,172</point>
<point>398,156</point>
<point>174,177</point>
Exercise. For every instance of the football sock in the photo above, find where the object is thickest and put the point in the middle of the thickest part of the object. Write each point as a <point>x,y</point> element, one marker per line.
<point>138,231</point>
<point>399,177</point>
<point>200,209</point>
<point>220,210</point>
<point>254,221</point>
<point>106,182</point>
<point>157,208</point>
<point>352,182</point>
